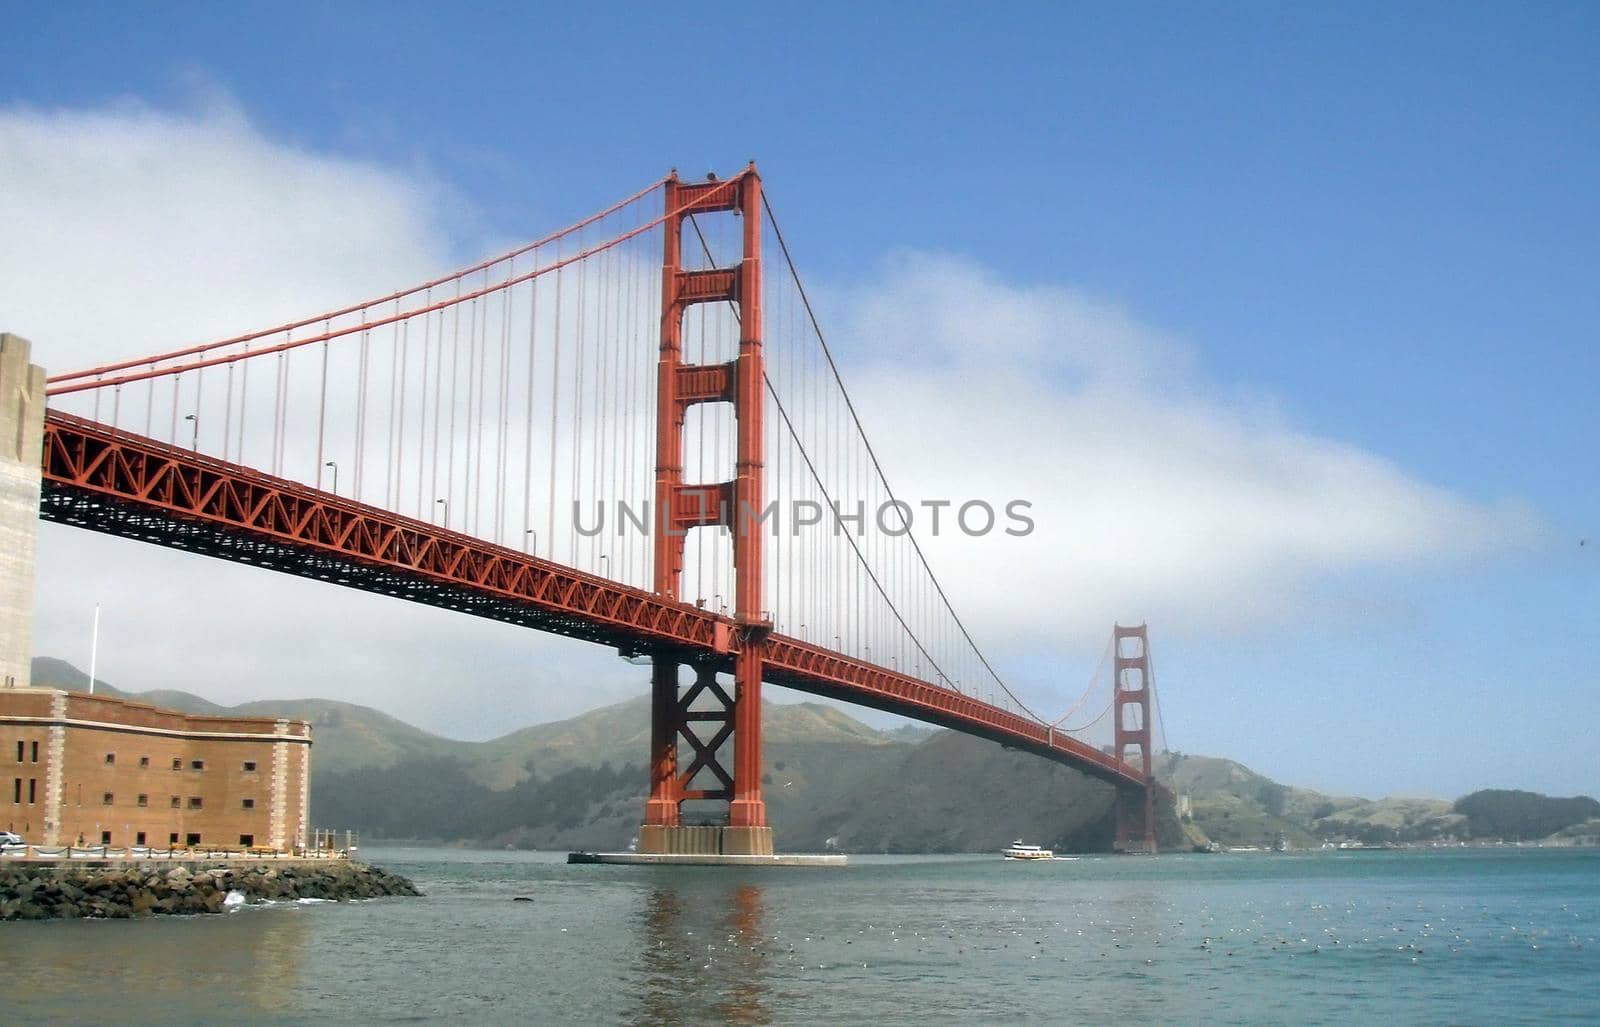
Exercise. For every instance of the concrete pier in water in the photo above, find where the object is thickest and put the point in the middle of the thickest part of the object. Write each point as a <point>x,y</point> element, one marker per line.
<point>707,859</point>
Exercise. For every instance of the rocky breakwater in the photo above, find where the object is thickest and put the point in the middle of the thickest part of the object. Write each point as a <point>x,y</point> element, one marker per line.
<point>47,892</point>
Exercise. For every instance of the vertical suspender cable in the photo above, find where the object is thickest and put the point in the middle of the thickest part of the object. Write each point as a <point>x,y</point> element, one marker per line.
<point>555,407</point>
<point>527,438</point>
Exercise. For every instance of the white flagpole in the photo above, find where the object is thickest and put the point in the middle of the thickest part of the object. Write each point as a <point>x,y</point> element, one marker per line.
<point>94,648</point>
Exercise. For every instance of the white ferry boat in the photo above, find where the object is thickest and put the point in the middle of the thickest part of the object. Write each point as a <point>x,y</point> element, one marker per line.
<point>1017,850</point>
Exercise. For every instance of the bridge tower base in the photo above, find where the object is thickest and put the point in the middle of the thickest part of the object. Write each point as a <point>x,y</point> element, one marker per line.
<point>697,721</point>
<point>1136,810</point>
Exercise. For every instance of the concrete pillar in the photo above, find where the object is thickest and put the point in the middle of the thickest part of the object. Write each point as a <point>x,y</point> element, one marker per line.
<point>55,768</point>
<point>21,438</point>
<point>280,785</point>
<point>303,825</point>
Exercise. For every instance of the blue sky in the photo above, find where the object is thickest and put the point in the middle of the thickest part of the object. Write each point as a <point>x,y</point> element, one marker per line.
<point>1377,220</point>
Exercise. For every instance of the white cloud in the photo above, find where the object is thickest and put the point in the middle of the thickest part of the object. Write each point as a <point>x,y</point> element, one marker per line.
<point>1155,497</point>
<point>131,230</point>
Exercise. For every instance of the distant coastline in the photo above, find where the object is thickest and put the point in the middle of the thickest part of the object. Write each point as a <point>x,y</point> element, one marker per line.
<point>835,783</point>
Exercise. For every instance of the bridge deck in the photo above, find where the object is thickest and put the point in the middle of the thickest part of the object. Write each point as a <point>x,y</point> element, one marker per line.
<point>100,478</point>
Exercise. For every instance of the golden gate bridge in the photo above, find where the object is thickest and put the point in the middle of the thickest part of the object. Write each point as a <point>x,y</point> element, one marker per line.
<point>626,432</point>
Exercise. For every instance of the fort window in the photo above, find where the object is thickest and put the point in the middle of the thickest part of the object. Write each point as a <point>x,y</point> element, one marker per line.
<point>249,766</point>
<point>247,840</point>
<point>177,764</point>
<point>249,804</point>
<point>111,758</point>
<point>144,761</point>
<point>33,788</point>
<point>144,800</point>
<point>107,799</point>
<point>35,751</point>
<point>105,837</point>
<point>172,839</point>
<point>191,840</point>
<point>19,750</point>
<point>138,839</point>
<point>176,802</point>
<point>195,802</point>
<point>197,764</point>
<point>16,794</point>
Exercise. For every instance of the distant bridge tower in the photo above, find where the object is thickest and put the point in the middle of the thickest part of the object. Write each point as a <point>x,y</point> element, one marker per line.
<point>1136,811</point>
<point>703,716</point>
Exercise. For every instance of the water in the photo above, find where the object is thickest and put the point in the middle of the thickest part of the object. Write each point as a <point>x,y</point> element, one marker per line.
<point>1338,938</point>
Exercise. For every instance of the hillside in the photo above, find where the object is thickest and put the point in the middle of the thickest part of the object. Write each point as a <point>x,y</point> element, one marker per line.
<point>620,734</point>
<point>350,737</point>
<point>829,779</point>
<point>955,793</point>
<point>1235,806</point>
<point>347,735</point>
<point>580,782</point>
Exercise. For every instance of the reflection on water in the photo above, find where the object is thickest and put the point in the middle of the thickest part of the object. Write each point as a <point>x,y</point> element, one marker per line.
<point>702,952</point>
<point>249,962</point>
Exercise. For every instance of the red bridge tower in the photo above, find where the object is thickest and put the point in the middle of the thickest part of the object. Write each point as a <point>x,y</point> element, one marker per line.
<point>704,716</point>
<point>1136,811</point>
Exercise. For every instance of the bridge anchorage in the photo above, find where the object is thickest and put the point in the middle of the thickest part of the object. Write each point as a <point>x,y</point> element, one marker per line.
<point>466,411</point>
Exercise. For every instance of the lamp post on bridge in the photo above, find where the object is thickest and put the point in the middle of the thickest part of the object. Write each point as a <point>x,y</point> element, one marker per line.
<point>335,465</point>
<point>446,504</point>
<point>530,541</point>
<point>194,438</point>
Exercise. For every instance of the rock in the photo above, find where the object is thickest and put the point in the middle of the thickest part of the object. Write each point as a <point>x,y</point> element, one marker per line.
<point>36,892</point>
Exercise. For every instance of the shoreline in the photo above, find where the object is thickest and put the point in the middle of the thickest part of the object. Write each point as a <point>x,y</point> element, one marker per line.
<point>54,890</point>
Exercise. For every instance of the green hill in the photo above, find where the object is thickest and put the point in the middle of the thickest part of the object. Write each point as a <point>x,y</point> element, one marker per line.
<point>350,737</point>
<point>956,793</point>
<point>1514,815</point>
<point>347,735</point>
<point>580,783</point>
<point>620,734</point>
<point>1235,806</point>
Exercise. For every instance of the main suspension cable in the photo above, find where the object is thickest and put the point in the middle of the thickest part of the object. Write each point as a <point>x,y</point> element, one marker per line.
<point>900,508</point>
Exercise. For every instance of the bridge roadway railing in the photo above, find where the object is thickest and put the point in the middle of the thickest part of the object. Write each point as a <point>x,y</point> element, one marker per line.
<point>99,477</point>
